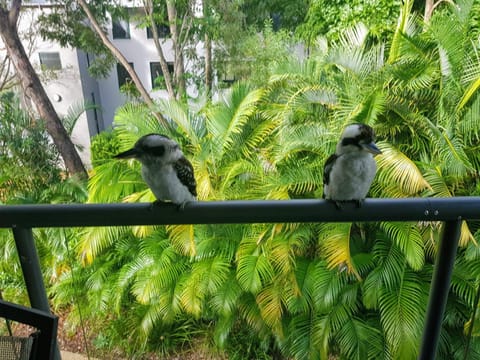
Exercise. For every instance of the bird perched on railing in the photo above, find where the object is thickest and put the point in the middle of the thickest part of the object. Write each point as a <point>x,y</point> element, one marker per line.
<point>165,169</point>
<point>349,172</point>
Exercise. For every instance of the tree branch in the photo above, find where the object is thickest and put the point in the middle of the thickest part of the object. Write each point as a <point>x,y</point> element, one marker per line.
<point>148,6</point>
<point>122,60</point>
<point>14,12</point>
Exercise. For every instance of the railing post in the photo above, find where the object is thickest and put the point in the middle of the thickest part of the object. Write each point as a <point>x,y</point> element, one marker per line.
<point>439,289</point>
<point>27,253</point>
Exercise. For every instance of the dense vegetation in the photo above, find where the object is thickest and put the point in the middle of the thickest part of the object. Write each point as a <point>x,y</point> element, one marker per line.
<point>306,291</point>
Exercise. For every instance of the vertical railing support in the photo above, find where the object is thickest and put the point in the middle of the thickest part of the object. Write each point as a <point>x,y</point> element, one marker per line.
<point>27,252</point>
<point>439,289</point>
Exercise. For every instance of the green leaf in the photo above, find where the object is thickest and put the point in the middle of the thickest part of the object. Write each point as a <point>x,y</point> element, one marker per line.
<point>409,240</point>
<point>253,272</point>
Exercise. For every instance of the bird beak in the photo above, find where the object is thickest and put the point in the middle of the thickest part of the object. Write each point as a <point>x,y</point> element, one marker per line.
<point>129,154</point>
<point>372,148</point>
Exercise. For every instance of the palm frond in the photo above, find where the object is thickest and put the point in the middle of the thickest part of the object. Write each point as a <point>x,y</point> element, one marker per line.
<point>183,239</point>
<point>132,121</point>
<point>303,331</point>
<point>113,180</point>
<point>178,113</point>
<point>404,26</point>
<point>249,311</point>
<point>409,240</point>
<point>334,240</point>
<point>97,239</point>
<point>205,278</point>
<point>402,310</point>
<point>387,274</point>
<point>437,181</point>
<point>73,114</point>
<point>225,121</point>
<point>354,36</point>
<point>225,299</point>
<point>397,170</point>
<point>468,123</point>
<point>254,268</point>
<point>300,299</point>
<point>270,303</point>
<point>353,338</point>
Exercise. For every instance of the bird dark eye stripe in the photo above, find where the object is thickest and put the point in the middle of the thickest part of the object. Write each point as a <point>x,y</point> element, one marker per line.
<point>351,141</point>
<point>356,140</point>
<point>156,150</point>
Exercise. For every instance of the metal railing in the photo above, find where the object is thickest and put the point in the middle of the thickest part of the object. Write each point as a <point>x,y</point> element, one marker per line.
<point>22,218</point>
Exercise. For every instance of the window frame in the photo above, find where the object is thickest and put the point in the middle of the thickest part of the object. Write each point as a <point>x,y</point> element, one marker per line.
<point>122,74</point>
<point>163,31</point>
<point>155,67</point>
<point>50,60</point>
<point>120,29</point>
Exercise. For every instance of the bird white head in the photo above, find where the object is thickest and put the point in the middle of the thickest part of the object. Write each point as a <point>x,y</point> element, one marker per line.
<point>153,148</point>
<point>357,137</point>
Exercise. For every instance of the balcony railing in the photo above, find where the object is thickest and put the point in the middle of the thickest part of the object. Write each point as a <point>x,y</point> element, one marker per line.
<point>22,218</point>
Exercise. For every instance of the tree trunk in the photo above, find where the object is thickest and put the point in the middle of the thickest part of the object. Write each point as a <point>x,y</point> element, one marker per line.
<point>208,49</point>
<point>179,65</point>
<point>148,5</point>
<point>121,59</point>
<point>208,65</point>
<point>33,88</point>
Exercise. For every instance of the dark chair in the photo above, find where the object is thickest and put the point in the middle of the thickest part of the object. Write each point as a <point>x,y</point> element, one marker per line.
<point>40,344</point>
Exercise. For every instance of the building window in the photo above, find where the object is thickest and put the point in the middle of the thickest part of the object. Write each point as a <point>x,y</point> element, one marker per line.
<point>50,60</point>
<point>156,74</point>
<point>163,31</point>
<point>123,75</point>
<point>120,29</point>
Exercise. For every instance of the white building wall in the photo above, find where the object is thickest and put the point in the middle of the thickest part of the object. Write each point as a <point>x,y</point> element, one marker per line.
<point>140,51</point>
<point>65,91</point>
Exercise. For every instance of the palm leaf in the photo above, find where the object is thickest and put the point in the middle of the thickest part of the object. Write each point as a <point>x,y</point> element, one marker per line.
<point>113,180</point>
<point>97,239</point>
<point>404,26</point>
<point>354,36</point>
<point>250,312</point>
<point>409,240</point>
<point>179,115</point>
<point>402,311</point>
<point>353,338</point>
<point>334,240</point>
<point>253,271</point>
<point>183,238</point>
<point>133,120</point>
<point>225,300</point>
<point>254,268</point>
<point>223,327</point>
<point>386,275</point>
<point>300,300</point>
<point>397,170</point>
<point>73,114</point>
<point>437,181</point>
<point>303,331</point>
<point>271,307</point>
<point>226,121</point>
<point>205,277</point>
<point>468,124</point>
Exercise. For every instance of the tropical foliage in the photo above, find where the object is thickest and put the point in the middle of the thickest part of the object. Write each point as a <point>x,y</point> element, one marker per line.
<point>30,173</point>
<point>303,291</point>
<point>331,17</point>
